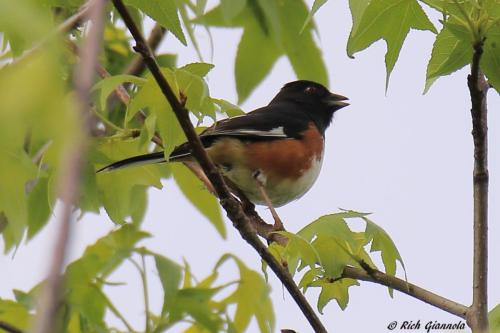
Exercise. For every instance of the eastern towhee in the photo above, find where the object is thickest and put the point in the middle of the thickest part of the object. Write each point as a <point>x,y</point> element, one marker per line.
<point>277,148</point>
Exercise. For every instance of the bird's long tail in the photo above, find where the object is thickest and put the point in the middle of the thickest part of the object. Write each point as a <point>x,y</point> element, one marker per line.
<point>151,158</point>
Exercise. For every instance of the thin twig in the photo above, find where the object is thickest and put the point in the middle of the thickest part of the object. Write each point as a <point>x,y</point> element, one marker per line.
<point>71,171</point>
<point>9,328</point>
<point>477,319</point>
<point>228,202</point>
<point>410,289</point>
<point>144,281</point>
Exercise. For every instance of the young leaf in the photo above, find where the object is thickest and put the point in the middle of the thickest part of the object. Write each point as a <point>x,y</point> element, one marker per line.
<point>203,200</point>
<point>163,12</point>
<point>170,277</point>
<point>390,20</point>
<point>300,48</point>
<point>109,84</point>
<point>196,303</point>
<point>337,290</point>
<point>150,96</point>
<point>315,7</point>
<point>115,188</point>
<point>250,70</point>
<point>490,61</point>
<point>299,250</point>
<point>251,299</point>
<point>38,207</point>
<point>16,170</point>
<point>357,8</point>
<point>383,243</point>
<point>228,108</point>
<point>200,69</point>
<point>15,313</point>
<point>494,319</point>
<point>449,54</point>
<point>231,8</point>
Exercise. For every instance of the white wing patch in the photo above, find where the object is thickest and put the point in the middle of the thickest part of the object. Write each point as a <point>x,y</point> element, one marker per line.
<point>277,132</point>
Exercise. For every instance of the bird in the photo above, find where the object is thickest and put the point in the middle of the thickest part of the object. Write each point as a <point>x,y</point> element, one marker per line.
<point>272,154</point>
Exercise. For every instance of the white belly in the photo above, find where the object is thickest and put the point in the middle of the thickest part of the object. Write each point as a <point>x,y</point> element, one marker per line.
<point>279,192</point>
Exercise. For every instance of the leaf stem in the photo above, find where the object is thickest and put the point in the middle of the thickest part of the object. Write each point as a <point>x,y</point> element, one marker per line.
<point>142,273</point>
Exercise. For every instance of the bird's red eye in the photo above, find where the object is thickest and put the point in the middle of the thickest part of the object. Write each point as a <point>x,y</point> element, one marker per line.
<point>311,90</point>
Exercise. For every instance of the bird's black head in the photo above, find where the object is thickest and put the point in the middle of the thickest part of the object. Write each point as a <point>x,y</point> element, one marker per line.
<point>313,98</point>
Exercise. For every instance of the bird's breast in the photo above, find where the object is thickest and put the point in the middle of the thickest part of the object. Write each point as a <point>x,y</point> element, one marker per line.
<point>287,167</point>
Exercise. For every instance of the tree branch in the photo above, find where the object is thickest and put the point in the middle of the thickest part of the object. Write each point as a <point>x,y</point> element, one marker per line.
<point>71,171</point>
<point>477,319</point>
<point>410,289</point>
<point>137,65</point>
<point>232,206</point>
<point>9,328</point>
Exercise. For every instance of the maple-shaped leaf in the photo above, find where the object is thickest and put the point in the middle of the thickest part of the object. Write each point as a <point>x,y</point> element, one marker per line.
<point>390,20</point>
<point>337,290</point>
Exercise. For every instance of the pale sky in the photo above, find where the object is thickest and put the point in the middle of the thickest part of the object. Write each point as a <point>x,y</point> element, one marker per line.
<point>405,157</point>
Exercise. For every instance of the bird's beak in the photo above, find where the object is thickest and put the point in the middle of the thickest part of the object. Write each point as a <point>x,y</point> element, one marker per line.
<point>336,101</point>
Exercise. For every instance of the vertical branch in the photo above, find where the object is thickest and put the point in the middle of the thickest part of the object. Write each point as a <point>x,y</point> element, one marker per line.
<point>477,317</point>
<point>71,170</point>
<point>232,206</point>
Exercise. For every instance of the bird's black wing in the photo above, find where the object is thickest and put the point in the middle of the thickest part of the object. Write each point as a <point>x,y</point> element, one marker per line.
<point>275,121</point>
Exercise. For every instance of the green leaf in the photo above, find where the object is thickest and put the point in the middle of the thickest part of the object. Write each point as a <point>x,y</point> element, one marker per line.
<point>199,196</point>
<point>15,314</point>
<point>357,8</point>
<point>21,37</point>
<point>449,54</point>
<point>167,60</point>
<point>390,20</point>
<point>16,170</point>
<point>250,70</point>
<point>337,290</point>
<point>115,188</point>
<point>170,277</point>
<point>103,257</point>
<point>334,255</point>
<point>231,8</point>
<point>163,12</point>
<point>315,7</point>
<point>490,61</point>
<point>200,69</point>
<point>383,243</point>
<point>39,208</point>
<point>148,130</point>
<point>494,319</point>
<point>300,48</point>
<point>309,278</point>
<point>25,299</point>
<point>151,97</point>
<point>251,299</point>
<point>231,110</point>
<point>196,91</point>
<point>277,25</point>
<point>109,84</point>
<point>299,250</point>
<point>196,303</point>
<point>90,303</point>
